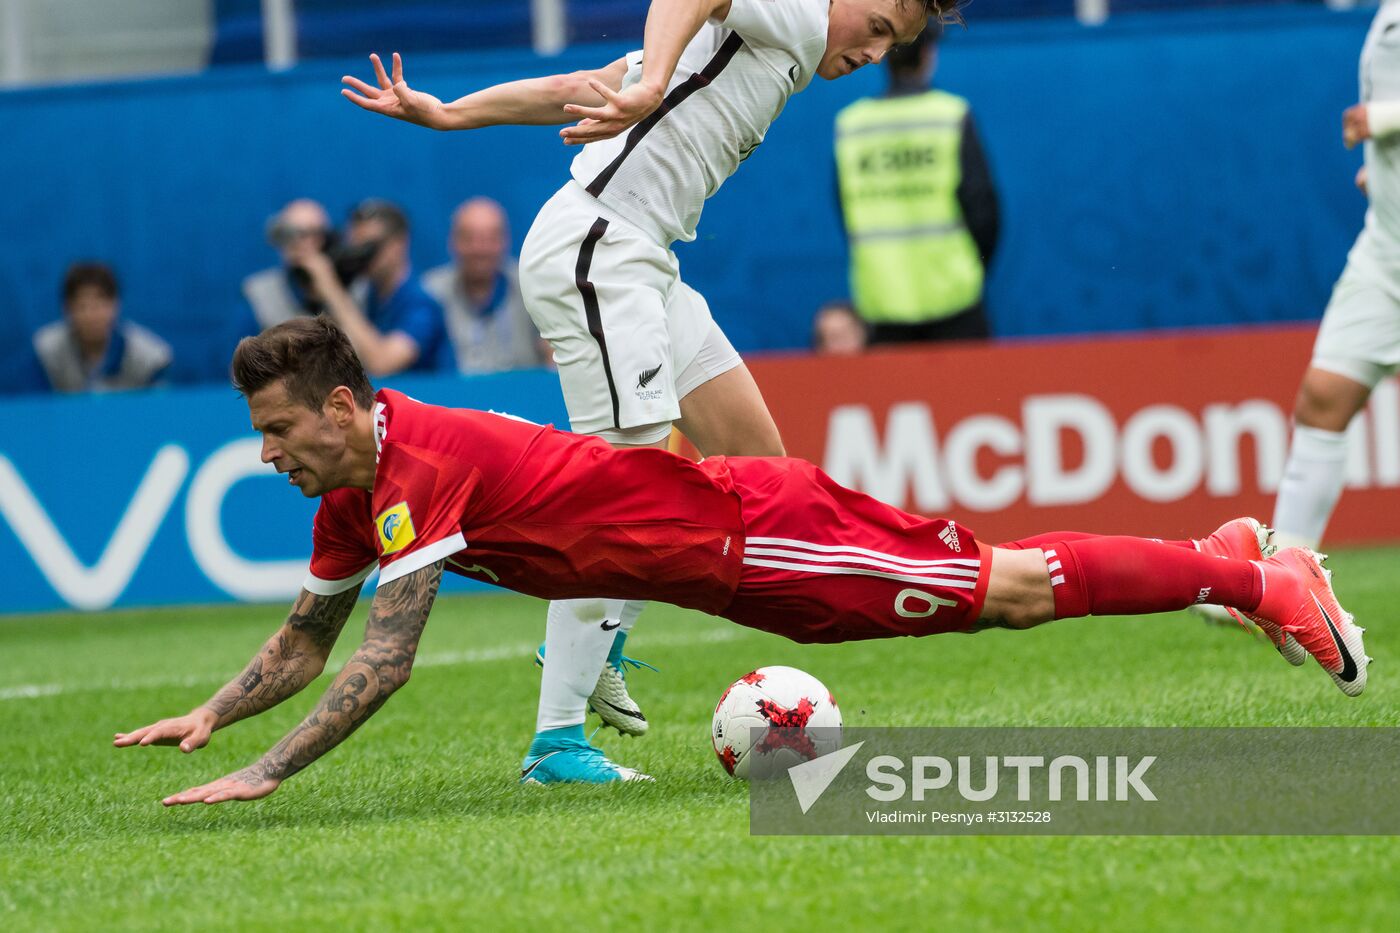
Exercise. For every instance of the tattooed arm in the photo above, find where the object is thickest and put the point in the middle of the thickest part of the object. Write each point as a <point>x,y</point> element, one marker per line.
<point>293,657</point>
<point>379,667</point>
<point>290,659</point>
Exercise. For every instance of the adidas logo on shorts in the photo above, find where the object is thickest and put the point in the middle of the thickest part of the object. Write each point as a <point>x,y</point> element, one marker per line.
<point>949,536</point>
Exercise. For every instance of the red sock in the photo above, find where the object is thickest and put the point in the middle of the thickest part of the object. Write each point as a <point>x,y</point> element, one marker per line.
<point>1133,576</point>
<point>1040,541</point>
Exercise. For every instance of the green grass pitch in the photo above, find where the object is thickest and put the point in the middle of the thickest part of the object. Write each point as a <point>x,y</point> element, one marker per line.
<point>417,819</point>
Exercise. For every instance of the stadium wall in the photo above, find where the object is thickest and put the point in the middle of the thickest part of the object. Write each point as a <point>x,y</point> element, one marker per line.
<point>161,498</point>
<point>1158,171</point>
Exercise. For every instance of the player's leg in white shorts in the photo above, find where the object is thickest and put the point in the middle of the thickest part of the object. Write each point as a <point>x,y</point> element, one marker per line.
<point>1359,341</point>
<point>630,340</point>
<point>597,289</point>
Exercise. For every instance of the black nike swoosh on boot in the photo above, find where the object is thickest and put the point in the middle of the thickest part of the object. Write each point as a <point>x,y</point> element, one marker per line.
<point>635,714</point>
<point>536,763</point>
<point>608,628</point>
<point>1348,671</point>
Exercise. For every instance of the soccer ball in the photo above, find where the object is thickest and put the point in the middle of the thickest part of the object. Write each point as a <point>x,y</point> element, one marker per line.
<point>787,703</point>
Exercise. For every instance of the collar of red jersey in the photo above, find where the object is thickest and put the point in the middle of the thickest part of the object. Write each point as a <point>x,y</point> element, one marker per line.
<point>381,428</point>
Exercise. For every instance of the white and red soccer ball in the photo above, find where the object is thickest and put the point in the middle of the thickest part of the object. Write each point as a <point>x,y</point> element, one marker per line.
<point>799,718</point>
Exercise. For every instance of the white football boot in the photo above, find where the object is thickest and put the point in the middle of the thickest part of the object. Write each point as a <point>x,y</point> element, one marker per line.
<point>610,699</point>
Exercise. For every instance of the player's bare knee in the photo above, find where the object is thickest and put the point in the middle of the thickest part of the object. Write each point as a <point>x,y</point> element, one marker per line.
<point>1328,401</point>
<point>1009,617</point>
<point>1313,407</point>
<point>1018,590</point>
<point>1026,613</point>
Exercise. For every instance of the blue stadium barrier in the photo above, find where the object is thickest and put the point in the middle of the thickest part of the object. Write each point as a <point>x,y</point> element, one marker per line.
<point>1161,170</point>
<point>329,28</point>
<point>160,498</point>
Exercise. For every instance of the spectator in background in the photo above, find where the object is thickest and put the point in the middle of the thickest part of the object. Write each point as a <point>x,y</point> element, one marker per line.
<point>91,349</point>
<point>393,323</point>
<point>301,229</point>
<point>919,205</point>
<point>837,330</point>
<point>480,294</point>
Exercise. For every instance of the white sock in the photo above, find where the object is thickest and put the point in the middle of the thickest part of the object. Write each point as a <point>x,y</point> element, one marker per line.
<point>575,649</point>
<point>1312,483</point>
<point>630,610</point>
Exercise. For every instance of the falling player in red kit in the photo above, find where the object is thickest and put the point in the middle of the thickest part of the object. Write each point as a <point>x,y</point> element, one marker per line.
<point>768,542</point>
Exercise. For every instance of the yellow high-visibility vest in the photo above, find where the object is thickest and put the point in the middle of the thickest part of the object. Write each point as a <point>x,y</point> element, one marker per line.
<point>897,160</point>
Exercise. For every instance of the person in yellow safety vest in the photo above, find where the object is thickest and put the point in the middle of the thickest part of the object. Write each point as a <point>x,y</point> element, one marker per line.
<point>918,203</point>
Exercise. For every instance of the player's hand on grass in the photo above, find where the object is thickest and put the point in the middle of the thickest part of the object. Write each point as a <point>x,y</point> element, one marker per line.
<point>393,98</point>
<point>1356,125</point>
<point>190,732</point>
<point>249,784</point>
<point>620,111</point>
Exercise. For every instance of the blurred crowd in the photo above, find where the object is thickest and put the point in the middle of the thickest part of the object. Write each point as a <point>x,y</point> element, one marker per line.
<point>916,198</point>
<point>465,315</point>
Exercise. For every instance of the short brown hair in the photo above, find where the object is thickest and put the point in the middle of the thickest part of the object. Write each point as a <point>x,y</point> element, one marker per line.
<point>310,354</point>
<point>96,275</point>
<point>388,213</point>
<point>944,11</point>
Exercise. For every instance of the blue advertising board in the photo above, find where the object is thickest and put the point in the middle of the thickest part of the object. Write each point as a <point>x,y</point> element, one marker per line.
<point>161,497</point>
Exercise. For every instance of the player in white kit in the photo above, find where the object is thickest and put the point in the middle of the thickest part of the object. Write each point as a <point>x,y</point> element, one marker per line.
<point>1358,343</point>
<point>636,347</point>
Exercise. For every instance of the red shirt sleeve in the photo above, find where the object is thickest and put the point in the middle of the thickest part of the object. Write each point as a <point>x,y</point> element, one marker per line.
<point>342,543</point>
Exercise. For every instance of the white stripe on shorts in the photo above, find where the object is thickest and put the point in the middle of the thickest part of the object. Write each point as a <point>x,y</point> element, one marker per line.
<point>840,548</point>
<point>956,584</point>
<point>882,563</point>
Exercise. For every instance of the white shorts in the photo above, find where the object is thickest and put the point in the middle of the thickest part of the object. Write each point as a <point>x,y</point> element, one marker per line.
<point>1360,333</point>
<point>629,337</point>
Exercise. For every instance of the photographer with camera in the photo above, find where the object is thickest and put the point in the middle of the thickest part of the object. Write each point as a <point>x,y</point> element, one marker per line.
<point>367,287</point>
<point>280,293</point>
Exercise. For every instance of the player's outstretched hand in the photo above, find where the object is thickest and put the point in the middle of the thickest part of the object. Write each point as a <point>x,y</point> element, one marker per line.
<point>190,732</point>
<point>1362,181</point>
<point>1356,125</point>
<point>393,97</point>
<point>248,784</point>
<point>620,111</point>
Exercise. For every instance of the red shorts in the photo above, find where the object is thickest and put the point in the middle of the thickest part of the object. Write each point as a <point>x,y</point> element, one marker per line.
<point>823,563</point>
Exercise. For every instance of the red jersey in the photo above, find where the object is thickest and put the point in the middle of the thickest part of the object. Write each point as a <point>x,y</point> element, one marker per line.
<point>529,508</point>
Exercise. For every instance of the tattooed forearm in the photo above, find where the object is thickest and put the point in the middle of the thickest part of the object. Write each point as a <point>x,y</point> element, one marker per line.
<point>320,618</point>
<point>380,666</point>
<point>289,660</point>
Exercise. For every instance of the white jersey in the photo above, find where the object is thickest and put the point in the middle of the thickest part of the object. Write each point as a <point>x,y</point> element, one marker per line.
<point>731,83</point>
<point>1379,245</point>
